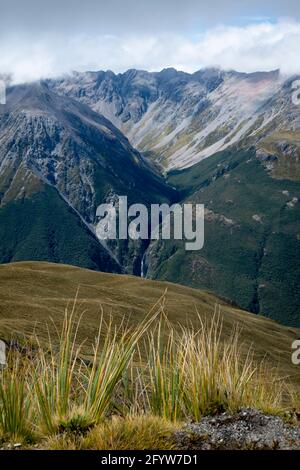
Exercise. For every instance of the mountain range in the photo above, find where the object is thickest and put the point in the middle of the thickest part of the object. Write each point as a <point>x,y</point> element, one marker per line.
<point>178,119</point>
<point>226,139</point>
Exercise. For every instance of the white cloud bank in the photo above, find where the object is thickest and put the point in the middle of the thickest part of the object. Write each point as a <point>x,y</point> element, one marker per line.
<point>259,46</point>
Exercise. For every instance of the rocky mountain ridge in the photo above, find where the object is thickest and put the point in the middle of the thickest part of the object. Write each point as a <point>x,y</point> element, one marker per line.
<point>52,141</point>
<point>178,119</point>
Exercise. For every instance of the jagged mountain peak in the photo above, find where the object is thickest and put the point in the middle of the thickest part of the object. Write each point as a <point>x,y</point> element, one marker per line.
<point>67,144</point>
<point>175,117</point>
<point>55,147</point>
<point>32,96</point>
<point>37,98</point>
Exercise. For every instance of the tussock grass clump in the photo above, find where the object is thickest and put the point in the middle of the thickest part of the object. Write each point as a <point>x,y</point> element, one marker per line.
<point>77,422</point>
<point>69,390</point>
<point>137,385</point>
<point>196,373</point>
<point>15,400</point>
<point>143,432</point>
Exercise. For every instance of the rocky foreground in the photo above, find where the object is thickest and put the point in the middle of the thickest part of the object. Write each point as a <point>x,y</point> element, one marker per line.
<point>246,430</point>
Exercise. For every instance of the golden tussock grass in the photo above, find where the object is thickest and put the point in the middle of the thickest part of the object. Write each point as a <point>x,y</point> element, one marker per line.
<point>139,384</point>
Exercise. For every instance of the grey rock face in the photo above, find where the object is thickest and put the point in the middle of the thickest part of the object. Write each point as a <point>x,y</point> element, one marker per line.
<point>180,118</point>
<point>61,142</point>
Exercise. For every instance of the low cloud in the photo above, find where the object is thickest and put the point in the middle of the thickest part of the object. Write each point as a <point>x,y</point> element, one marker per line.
<point>258,46</point>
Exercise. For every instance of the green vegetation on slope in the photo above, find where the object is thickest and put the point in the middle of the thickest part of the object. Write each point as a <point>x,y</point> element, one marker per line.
<point>52,140</point>
<point>251,253</point>
<point>44,228</point>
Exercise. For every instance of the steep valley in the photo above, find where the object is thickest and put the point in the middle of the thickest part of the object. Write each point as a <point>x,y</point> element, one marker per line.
<point>227,140</point>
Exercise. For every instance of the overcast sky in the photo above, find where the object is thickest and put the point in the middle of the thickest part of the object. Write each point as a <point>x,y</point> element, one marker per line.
<point>49,38</point>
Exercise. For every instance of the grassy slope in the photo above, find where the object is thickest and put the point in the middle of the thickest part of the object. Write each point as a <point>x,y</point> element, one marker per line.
<point>259,267</point>
<point>31,293</point>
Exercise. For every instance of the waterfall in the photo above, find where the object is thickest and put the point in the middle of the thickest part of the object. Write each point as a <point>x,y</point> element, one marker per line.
<point>143,266</point>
